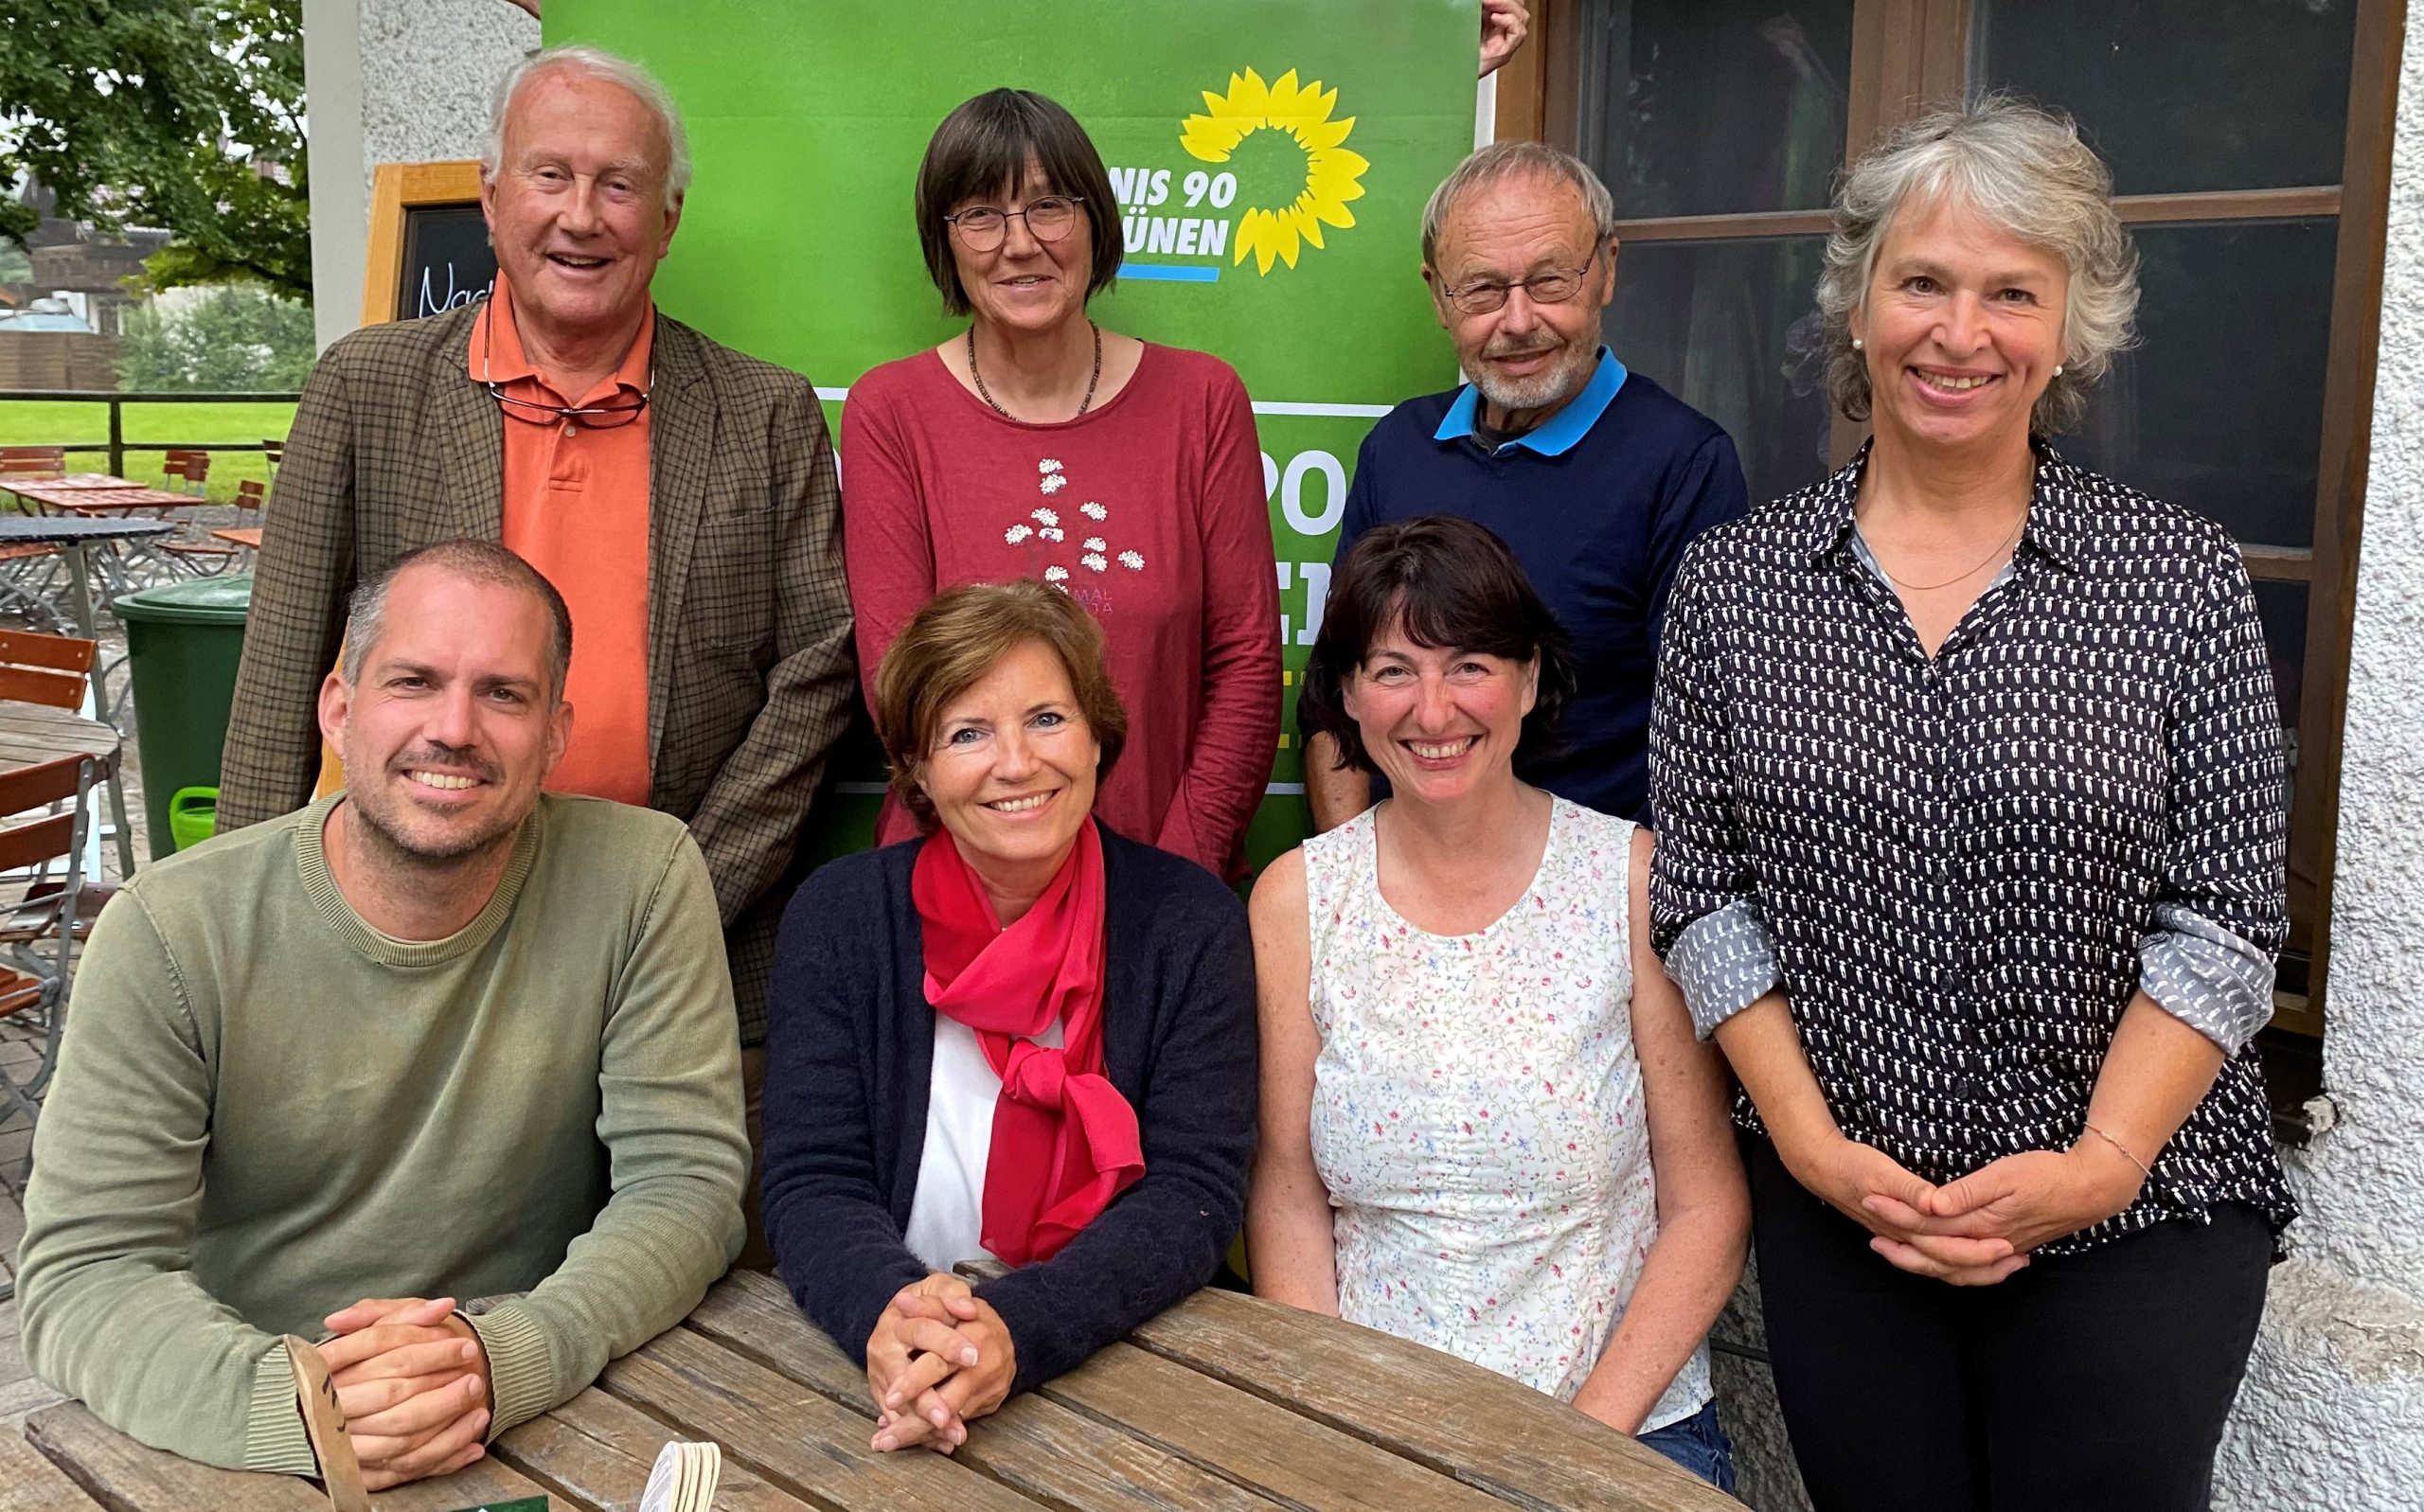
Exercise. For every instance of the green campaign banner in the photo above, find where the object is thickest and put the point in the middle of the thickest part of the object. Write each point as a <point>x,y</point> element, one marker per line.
<point>1271,159</point>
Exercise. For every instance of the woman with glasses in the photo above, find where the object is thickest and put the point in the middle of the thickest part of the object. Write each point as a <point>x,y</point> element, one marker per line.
<point>1036,444</point>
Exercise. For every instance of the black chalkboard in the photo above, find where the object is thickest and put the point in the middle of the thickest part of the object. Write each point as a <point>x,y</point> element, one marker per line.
<point>447,260</point>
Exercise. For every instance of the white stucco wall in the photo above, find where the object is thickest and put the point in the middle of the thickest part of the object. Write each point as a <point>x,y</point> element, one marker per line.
<point>391,81</point>
<point>2332,1414</point>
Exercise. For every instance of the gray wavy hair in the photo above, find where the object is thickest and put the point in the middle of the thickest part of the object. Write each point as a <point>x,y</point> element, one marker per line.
<point>595,63</point>
<point>2023,169</point>
<point>1507,160</point>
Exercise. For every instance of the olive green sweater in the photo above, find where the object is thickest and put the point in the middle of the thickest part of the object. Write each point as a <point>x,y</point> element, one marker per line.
<point>266,1110</point>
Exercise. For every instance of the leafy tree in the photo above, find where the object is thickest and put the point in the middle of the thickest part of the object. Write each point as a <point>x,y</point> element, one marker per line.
<point>177,114</point>
<point>233,339</point>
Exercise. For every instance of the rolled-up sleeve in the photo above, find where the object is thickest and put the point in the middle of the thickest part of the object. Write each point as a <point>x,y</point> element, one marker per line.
<point>2223,910</point>
<point>2217,982</point>
<point>1704,923</point>
<point>1724,961</point>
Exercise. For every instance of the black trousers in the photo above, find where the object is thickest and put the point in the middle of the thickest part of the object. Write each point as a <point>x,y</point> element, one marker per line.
<point>2084,1381</point>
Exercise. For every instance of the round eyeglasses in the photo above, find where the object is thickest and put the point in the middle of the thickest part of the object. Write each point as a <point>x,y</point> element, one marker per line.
<point>983,227</point>
<point>1555,287</point>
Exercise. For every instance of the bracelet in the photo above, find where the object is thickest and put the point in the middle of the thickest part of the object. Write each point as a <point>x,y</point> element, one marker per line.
<point>2124,1149</point>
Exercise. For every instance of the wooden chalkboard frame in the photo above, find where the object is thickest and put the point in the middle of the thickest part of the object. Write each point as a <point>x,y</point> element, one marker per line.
<point>395,189</point>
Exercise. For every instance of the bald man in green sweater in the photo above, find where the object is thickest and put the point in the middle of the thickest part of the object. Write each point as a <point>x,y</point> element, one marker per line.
<point>440,1036</point>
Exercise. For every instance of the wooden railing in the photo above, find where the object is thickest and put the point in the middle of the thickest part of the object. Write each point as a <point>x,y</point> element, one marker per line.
<point>118,445</point>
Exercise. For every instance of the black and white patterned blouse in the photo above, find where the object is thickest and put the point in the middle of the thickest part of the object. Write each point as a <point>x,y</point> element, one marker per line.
<point>1961,869</point>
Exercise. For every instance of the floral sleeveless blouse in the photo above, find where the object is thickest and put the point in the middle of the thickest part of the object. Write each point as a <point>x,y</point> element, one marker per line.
<point>1478,1115</point>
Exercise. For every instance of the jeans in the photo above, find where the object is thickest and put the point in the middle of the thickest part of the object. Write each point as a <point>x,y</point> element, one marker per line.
<point>1699,1445</point>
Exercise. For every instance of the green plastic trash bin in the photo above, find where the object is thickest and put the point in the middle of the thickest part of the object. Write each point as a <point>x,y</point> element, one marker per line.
<point>182,643</point>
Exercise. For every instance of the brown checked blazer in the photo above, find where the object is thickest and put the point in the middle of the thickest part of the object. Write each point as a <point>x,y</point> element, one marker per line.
<point>750,677</point>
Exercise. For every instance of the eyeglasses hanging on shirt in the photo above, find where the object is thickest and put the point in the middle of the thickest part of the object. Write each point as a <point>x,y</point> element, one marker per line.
<point>592,417</point>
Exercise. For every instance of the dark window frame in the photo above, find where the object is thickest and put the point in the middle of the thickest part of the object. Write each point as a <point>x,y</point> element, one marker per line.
<point>1907,53</point>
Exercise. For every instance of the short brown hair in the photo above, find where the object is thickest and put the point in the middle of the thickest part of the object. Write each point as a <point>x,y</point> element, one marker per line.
<point>1456,587</point>
<point>479,561</point>
<point>955,641</point>
<point>983,147</point>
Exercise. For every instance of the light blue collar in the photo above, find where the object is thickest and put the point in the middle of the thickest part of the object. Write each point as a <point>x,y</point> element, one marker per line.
<point>1559,433</point>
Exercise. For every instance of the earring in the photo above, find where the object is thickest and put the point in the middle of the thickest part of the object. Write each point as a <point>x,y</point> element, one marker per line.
<point>2058,369</point>
<point>1855,344</point>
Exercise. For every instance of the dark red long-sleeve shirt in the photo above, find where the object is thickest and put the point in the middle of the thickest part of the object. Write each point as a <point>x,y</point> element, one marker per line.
<point>1149,509</point>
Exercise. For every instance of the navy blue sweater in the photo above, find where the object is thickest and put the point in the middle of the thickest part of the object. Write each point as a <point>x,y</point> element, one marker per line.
<point>849,1058</point>
<point>1600,530</point>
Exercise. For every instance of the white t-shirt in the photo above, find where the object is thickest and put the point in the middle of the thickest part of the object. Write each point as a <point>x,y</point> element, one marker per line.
<point>947,1214</point>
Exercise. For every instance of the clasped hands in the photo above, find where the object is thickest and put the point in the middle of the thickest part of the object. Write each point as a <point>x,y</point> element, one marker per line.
<point>412,1381</point>
<point>1976,1231</point>
<point>939,1358</point>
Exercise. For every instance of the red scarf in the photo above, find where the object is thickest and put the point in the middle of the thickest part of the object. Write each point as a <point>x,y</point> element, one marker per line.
<point>1065,1141</point>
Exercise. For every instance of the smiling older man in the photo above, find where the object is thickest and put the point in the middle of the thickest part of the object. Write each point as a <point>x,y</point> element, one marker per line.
<point>1594,476</point>
<point>440,1035</point>
<point>682,496</point>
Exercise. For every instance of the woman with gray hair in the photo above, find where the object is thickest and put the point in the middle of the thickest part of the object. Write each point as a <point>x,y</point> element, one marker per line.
<point>1969,772</point>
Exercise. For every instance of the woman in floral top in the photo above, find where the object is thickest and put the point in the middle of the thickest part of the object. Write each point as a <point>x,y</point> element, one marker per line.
<point>1486,1125</point>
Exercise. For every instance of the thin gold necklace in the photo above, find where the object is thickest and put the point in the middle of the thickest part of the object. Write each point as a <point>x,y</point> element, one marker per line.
<point>2001,546</point>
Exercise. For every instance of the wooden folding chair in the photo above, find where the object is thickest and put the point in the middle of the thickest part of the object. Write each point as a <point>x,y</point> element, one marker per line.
<point>190,467</point>
<point>51,670</point>
<point>29,573</point>
<point>214,551</point>
<point>39,947</point>
<point>273,448</point>
<point>33,461</point>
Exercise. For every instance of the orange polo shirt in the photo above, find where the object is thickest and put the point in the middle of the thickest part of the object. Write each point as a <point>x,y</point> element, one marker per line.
<point>576,508</point>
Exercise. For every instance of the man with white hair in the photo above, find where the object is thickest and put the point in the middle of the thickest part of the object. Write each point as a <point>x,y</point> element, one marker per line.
<point>1595,478</point>
<point>682,497</point>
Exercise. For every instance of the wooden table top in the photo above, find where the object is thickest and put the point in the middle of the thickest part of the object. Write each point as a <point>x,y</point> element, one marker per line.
<point>241,536</point>
<point>78,480</point>
<point>1225,1403</point>
<point>31,734</point>
<point>97,500</point>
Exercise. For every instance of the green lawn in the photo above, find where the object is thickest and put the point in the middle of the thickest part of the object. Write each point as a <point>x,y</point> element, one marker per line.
<point>57,422</point>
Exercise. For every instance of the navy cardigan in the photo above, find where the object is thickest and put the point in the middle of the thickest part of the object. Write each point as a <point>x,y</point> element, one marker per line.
<point>849,1058</point>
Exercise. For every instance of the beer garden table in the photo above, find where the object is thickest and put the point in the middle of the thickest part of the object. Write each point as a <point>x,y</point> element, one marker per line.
<point>75,536</point>
<point>1225,1403</point>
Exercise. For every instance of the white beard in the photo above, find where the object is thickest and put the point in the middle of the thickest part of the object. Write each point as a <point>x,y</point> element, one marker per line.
<point>1553,385</point>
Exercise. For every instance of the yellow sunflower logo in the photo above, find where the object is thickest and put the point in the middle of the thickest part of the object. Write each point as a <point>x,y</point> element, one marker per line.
<point>1332,174</point>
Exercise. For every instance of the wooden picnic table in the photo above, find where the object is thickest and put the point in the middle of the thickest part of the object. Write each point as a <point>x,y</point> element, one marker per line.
<point>1225,1403</point>
<point>84,480</point>
<point>96,502</point>
<point>31,734</point>
<point>248,537</point>
<point>88,489</point>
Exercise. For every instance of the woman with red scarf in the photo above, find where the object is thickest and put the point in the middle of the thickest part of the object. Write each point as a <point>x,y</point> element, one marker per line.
<point>1021,1037</point>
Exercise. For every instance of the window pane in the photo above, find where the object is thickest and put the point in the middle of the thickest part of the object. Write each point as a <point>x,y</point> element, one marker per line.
<point>2282,606</point>
<point>2184,95</point>
<point>1722,326</point>
<point>1708,107</point>
<point>2220,409</point>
